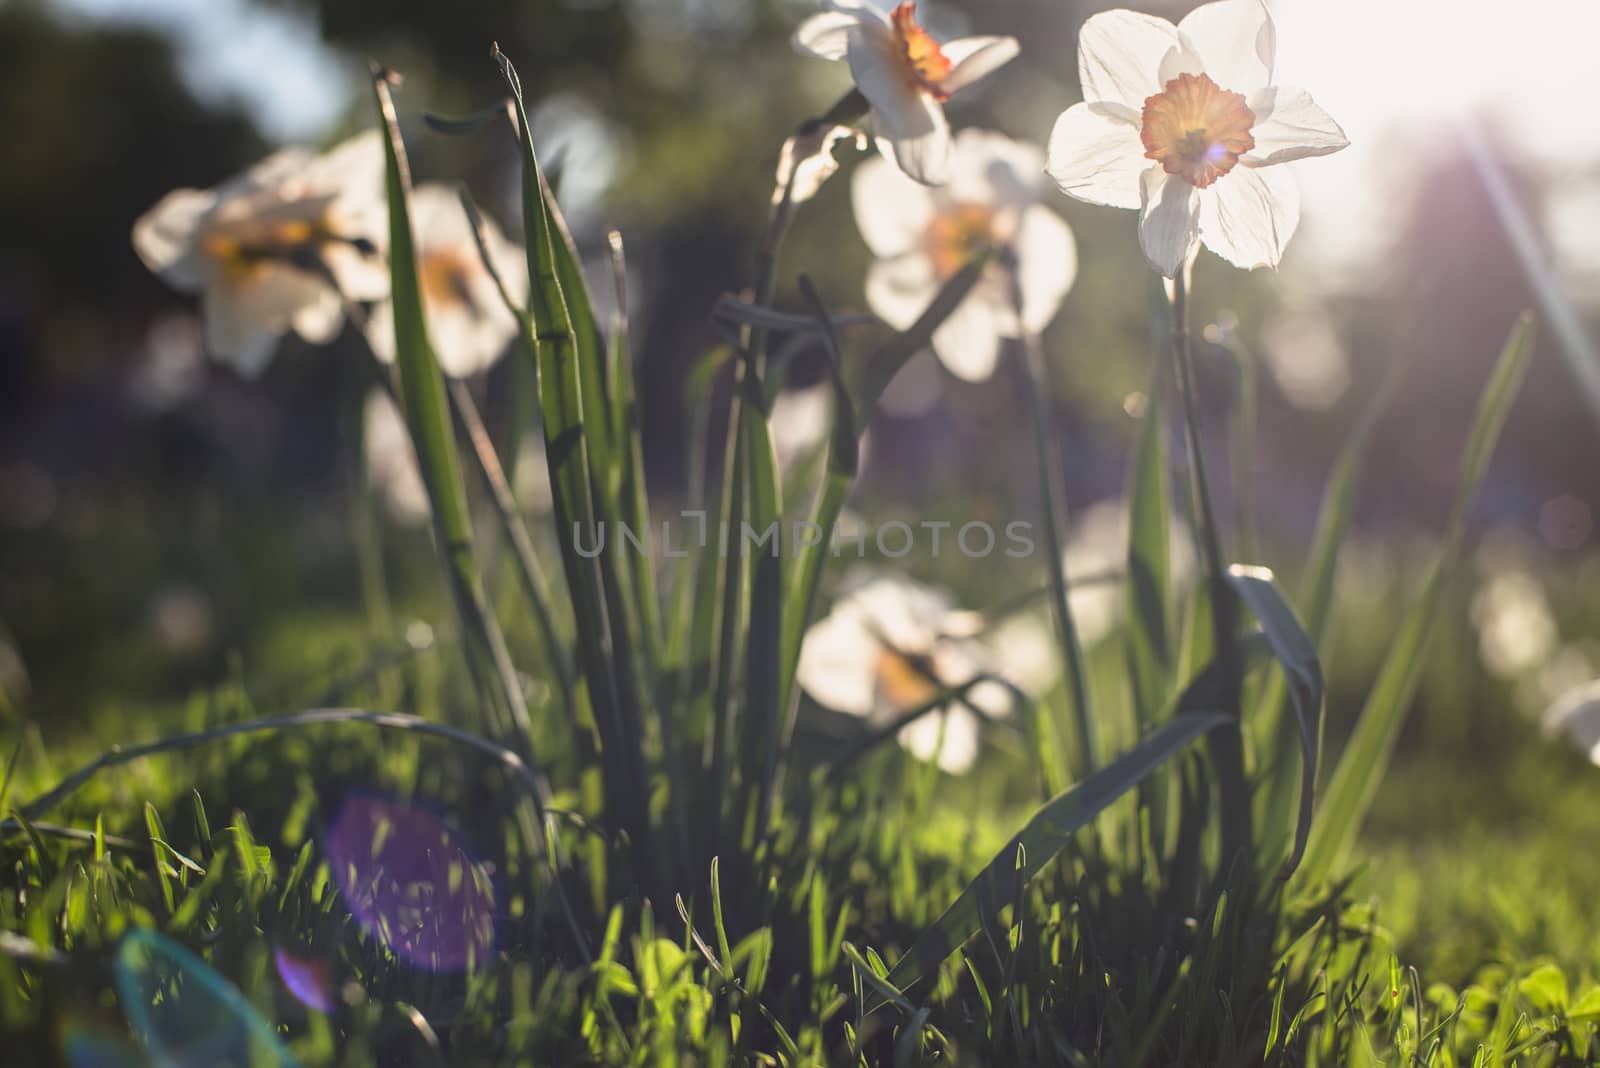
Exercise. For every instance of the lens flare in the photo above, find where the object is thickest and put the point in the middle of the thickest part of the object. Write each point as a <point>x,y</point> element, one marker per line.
<point>185,1014</point>
<point>412,885</point>
<point>305,978</point>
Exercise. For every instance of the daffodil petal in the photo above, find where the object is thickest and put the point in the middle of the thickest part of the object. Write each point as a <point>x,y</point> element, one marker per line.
<point>892,211</point>
<point>1236,40</point>
<point>1249,216</point>
<point>237,338</point>
<point>864,10</point>
<point>973,58</point>
<point>900,289</point>
<point>244,318</point>
<point>910,119</point>
<point>1047,265</point>
<point>825,35</point>
<point>1179,60</point>
<point>838,664</point>
<point>318,321</point>
<point>164,236</point>
<point>1169,220</point>
<point>1095,155</point>
<point>968,342</point>
<point>1120,54</point>
<point>355,166</point>
<point>379,331</point>
<point>1290,126</point>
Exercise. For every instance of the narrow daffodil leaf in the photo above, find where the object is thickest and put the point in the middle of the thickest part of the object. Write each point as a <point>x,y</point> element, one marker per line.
<point>1270,723</point>
<point>427,414</point>
<point>1296,654</point>
<point>805,578</point>
<point>1147,592</point>
<point>1366,756</point>
<point>565,352</point>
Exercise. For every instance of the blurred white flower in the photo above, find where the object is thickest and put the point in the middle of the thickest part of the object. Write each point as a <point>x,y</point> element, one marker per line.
<point>281,247</point>
<point>1184,124</point>
<point>392,470</point>
<point>531,483</point>
<point>885,649</point>
<point>904,73</point>
<point>1097,547</point>
<point>1515,628</point>
<point>1575,716</point>
<point>799,422</point>
<point>921,237</point>
<point>468,323</point>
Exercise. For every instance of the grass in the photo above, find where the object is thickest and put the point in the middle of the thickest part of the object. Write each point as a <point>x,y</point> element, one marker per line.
<point>656,860</point>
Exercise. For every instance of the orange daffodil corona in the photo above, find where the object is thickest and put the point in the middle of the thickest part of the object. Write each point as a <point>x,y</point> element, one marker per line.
<point>905,75</point>
<point>1185,125</point>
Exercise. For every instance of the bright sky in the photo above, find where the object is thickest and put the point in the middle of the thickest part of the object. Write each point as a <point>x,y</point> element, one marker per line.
<point>275,62</point>
<point>1400,73</point>
<point>1395,73</point>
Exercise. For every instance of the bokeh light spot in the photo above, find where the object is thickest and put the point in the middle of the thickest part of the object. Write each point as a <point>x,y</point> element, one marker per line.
<point>305,978</point>
<point>185,1014</point>
<point>412,885</point>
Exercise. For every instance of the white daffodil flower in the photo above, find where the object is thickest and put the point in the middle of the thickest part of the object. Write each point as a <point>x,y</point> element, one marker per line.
<point>282,247</point>
<point>1184,124</point>
<point>922,236</point>
<point>884,650</point>
<point>905,75</point>
<point>468,322</point>
<point>392,470</point>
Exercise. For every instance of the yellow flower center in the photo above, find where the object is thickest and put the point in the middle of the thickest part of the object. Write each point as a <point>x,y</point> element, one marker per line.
<point>445,277</point>
<point>1197,130</point>
<point>241,248</point>
<point>903,682</point>
<point>956,234</point>
<point>925,65</point>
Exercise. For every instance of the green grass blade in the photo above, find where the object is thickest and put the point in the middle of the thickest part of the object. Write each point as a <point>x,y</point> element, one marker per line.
<point>1366,757</point>
<point>763,650</point>
<point>534,583</point>
<point>843,459</point>
<point>1297,656</point>
<point>1046,834</point>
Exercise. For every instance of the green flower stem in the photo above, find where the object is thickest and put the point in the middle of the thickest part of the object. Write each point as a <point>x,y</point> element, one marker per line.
<point>1034,379</point>
<point>1226,743</point>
